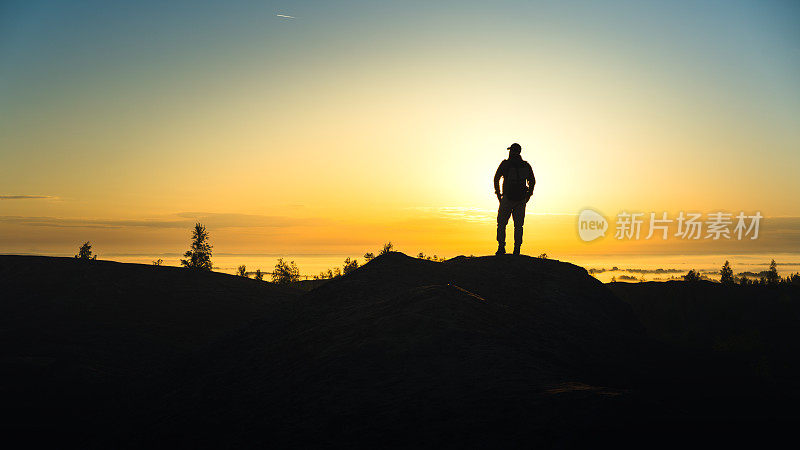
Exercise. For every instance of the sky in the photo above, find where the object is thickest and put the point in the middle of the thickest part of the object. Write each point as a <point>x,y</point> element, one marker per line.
<point>352,123</point>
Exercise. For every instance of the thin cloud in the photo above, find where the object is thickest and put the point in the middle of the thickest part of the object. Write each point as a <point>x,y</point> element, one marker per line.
<point>25,197</point>
<point>635,270</point>
<point>92,223</point>
<point>226,220</point>
<point>284,16</point>
<point>180,220</point>
<point>473,214</point>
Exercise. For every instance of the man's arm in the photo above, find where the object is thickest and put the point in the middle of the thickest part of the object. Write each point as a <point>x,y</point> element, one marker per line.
<point>497,176</point>
<point>531,182</point>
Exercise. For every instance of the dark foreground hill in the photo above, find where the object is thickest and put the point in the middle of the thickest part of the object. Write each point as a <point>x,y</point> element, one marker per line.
<point>86,344</point>
<point>758,325</point>
<point>408,352</point>
<point>472,352</point>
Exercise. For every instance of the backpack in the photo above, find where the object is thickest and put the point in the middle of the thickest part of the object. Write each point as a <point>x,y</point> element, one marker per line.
<point>514,180</point>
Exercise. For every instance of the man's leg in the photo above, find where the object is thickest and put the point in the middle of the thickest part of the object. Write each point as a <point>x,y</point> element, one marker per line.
<point>503,213</point>
<point>519,220</point>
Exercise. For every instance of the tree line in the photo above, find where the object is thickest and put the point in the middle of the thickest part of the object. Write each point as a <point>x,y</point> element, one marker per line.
<point>770,277</point>
<point>198,257</point>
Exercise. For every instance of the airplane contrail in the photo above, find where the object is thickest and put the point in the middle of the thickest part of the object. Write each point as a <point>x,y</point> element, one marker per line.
<point>285,16</point>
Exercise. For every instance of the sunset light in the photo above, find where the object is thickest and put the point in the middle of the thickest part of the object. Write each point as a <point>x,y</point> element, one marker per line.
<point>400,224</point>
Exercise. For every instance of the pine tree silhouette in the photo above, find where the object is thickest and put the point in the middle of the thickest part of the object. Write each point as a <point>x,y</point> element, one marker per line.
<point>199,256</point>
<point>726,274</point>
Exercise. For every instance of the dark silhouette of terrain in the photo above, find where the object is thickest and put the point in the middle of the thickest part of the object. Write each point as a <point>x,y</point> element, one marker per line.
<point>758,325</point>
<point>86,345</point>
<point>462,347</point>
<point>402,352</point>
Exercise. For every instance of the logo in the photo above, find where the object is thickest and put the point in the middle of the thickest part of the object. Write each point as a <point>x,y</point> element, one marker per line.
<point>591,225</point>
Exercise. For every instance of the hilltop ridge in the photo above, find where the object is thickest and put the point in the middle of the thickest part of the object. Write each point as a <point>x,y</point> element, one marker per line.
<point>473,351</point>
<point>463,346</point>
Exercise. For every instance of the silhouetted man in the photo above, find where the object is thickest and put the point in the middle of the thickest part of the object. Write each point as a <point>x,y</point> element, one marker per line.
<point>518,184</point>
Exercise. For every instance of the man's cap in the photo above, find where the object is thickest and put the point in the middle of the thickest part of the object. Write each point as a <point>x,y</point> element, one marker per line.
<point>515,148</point>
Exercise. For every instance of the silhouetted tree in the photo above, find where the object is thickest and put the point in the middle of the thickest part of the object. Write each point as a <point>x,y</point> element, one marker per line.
<point>369,256</point>
<point>158,262</point>
<point>349,265</point>
<point>325,275</point>
<point>542,256</point>
<point>772,274</point>
<point>692,275</point>
<point>744,281</point>
<point>436,258</point>
<point>242,271</point>
<point>259,275</point>
<point>199,256</point>
<point>387,247</point>
<point>285,273</point>
<point>85,252</point>
<point>726,274</point>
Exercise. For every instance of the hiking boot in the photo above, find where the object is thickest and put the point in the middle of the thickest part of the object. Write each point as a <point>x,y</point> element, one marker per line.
<point>501,250</point>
